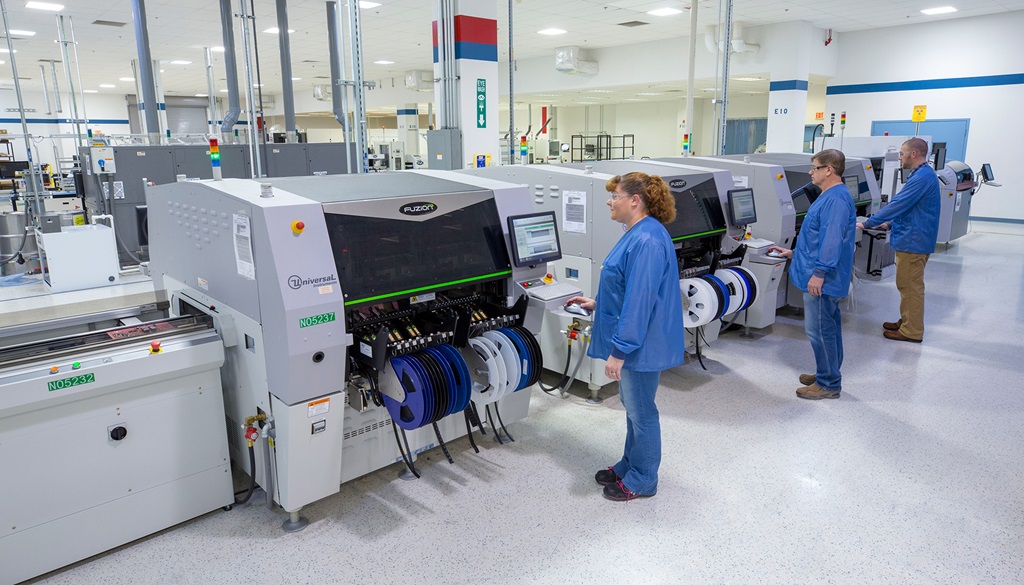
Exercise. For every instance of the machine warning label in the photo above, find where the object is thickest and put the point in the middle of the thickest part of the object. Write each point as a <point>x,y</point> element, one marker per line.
<point>316,320</point>
<point>318,407</point>
<point>65,383</point>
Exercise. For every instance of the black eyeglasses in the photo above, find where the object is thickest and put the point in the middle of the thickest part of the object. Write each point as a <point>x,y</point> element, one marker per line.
<point>814,168</point>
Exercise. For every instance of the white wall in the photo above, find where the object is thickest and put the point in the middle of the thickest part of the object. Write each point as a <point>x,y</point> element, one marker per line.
<point>43,127</point>
<point>968,47</point>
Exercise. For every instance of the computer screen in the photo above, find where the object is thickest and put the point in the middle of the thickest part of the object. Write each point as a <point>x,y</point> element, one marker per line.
<point>986,173</point>
<point>852,183</point>
<point>940,158</point>
<point>741,207</point>
<point>9,168</point>
<point>534,239</point>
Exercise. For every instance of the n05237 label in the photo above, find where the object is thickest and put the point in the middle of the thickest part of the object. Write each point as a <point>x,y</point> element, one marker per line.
<point>65,383</point>
<point>316,320</point>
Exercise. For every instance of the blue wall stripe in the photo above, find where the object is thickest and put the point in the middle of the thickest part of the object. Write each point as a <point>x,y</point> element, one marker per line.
<point>407,112</point>
<point>473,51</point>
<point>797,84</point>
<point>61,121</point>
<point>951,83</point>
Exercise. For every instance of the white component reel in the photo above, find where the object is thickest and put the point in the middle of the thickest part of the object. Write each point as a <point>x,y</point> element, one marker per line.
<point>700,302</point>
<point>508,352</point>
<point>737,290</point>
<point>487,369</point>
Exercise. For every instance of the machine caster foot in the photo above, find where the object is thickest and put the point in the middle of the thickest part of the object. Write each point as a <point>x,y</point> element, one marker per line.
<point>746,332</point>
<point>407,475</point>
<point>294,523</point>
<point>595,399</point>
<point>228,508</point>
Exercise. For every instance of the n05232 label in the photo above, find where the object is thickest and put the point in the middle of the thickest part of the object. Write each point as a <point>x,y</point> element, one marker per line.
<point>65,383</point>
<point>316,320</point>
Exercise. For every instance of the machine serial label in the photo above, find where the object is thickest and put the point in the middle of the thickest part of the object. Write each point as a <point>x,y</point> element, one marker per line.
<point>316,320</point>
<point>70,382</point>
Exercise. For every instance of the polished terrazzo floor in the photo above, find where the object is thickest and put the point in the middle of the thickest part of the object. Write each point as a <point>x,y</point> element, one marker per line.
<point>916,475</point>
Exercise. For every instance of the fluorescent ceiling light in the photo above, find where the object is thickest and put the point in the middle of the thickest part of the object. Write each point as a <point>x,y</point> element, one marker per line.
<point>2,62</point>
<point>634,100</point>
<point>22,33</point>
<point>551,31</point>
<point>45,6</point>
<point>107,85</point>
<point>928,11</point>
<point>383,62</point>
<point>223,91</point>
<point>664,12</point>
<point>746,79</point>
<point>217,49</point>
<point>6,51</point>
<point>296,79</point>
<point>365,4</point>
<point>181,62</point>
<point>600,91</point>
<point>647,93</point>
<point>89,91</point>
<point>126,79</point>
<point>202,95</point>
<point>273,30</point>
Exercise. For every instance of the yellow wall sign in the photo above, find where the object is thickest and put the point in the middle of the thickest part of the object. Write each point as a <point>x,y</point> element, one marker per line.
<point>919,114</point>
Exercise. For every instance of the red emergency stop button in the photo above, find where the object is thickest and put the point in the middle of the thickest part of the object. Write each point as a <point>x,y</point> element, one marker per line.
<point>154,346</point>
<point>297,227</point>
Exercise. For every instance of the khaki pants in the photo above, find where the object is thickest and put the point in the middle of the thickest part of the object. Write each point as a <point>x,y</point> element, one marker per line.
<point>910,283</point>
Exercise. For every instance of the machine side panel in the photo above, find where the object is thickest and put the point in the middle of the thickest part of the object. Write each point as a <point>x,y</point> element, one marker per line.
<point>328,158</point>
<point>285,160</point>
<point>304,336</point>
<point>309,461</point>
<point>191,235</point>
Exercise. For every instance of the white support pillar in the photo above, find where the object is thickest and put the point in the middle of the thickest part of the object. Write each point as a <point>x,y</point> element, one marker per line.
<point>476,58</point>
<point>787,112</point>
<point>409,128</point>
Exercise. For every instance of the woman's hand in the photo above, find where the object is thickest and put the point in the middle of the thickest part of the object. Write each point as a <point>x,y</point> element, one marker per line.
<point>784,252</point>
<point>613,368</point>
<point>585,302</point>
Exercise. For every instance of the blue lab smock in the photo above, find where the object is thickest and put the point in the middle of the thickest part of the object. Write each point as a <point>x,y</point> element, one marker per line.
<point>639,315</point>
<point>914,213</point>
<point>826,243</point>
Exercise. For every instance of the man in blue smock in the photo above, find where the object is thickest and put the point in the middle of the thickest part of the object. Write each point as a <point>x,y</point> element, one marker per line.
<point>822,267</point>
<point>638,325</point>
<point>914,213</point>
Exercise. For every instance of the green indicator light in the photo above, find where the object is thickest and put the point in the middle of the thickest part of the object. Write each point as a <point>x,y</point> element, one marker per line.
<point>76,365</point>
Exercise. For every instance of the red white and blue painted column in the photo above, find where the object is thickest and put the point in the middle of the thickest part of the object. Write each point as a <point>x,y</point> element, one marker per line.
<point>476,58</point>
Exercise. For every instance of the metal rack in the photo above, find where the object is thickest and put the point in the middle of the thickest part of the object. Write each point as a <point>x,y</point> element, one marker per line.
<point>601,147</point>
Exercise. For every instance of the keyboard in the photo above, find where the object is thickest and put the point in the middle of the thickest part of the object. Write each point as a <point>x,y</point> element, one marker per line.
<point>554,290</point>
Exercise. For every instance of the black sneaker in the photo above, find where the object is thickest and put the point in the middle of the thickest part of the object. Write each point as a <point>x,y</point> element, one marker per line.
<point>617,492</point>
<point>606,476</point>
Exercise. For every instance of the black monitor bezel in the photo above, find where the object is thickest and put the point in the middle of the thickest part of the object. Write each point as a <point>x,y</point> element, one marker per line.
<point>986,172</point>
<point>940,158</point>
<point>730,195</point>
<point>517,260</point>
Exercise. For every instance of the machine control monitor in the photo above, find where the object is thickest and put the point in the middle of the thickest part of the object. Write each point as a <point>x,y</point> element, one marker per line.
<point>534,239</point>
<point>986,173</point>
<point>852,183</point>
<point>741,207</point>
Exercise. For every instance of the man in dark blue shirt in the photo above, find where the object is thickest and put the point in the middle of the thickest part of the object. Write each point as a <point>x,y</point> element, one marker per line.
<point>914,213</point>
<point>822,267</point>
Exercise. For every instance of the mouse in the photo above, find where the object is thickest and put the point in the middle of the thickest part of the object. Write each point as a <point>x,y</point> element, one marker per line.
<point>774,254</point>
<point>576,309</point>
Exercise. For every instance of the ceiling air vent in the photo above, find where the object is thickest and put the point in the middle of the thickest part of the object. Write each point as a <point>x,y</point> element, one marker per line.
<point>112,23</point>
<point>633,23</point>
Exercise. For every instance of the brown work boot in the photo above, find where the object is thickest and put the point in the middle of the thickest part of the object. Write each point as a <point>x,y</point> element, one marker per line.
<point>897,336</point>
<point>892,326</point>
<point>815,392</point>
<point>808,379</point>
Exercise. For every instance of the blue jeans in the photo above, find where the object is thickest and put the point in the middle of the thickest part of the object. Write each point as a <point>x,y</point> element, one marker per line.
<point>641,458</point>
<point>824,326</point>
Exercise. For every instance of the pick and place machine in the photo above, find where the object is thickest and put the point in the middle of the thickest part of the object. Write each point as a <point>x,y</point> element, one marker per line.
<point>859,179</point>
<point>577,197</point>
<point>365,318</point>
